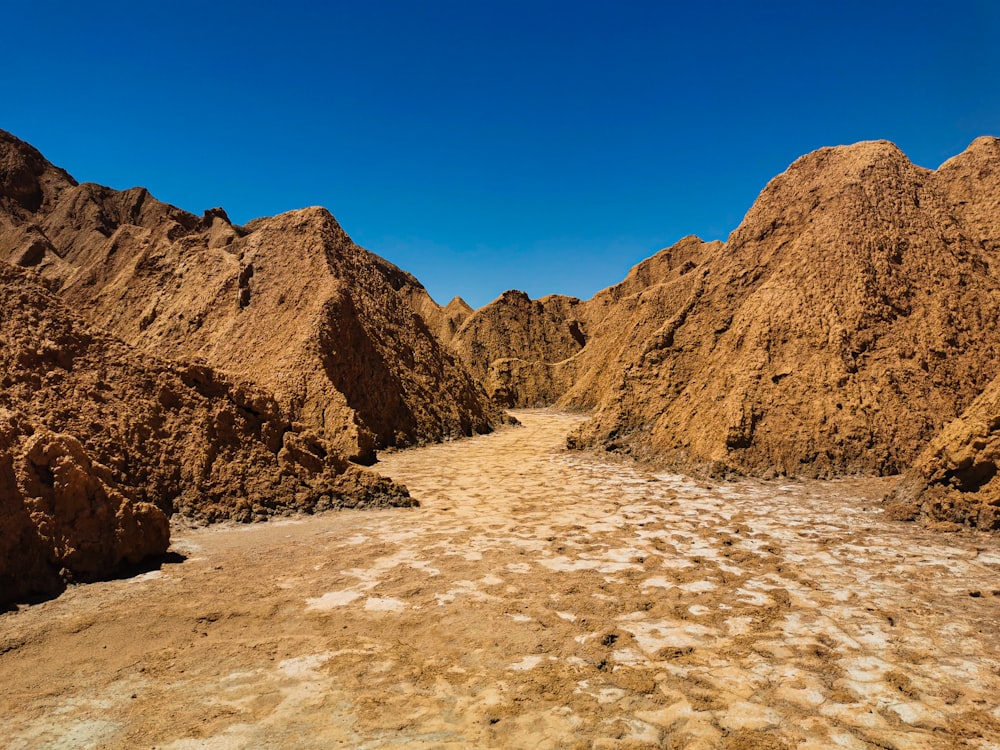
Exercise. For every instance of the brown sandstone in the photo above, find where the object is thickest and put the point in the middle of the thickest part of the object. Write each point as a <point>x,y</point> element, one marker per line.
<point>287,302</point>
<point>954,479</point>
<point>848,318</point>
<point>443,322</point>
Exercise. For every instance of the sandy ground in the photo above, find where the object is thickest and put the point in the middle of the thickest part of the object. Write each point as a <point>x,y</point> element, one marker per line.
<point>537,599</point>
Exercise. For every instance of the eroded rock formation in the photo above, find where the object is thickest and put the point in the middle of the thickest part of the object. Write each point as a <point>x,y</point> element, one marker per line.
<point>193,366</point>
<point>954,479</point>
<point>517,345</point>
<point>287,302</point>
<point>98,445</point>
<point>849,317</point>
<point>156,362</point>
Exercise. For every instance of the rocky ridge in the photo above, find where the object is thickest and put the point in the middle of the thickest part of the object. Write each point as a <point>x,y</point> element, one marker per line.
<point>288,302</point>
<point>293,352</point>
<point>848,318</point>
<point>100,444</point>
<point>518,346</point>
<point>844,323</point>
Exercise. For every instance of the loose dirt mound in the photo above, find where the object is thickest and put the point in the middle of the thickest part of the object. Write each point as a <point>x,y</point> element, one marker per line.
<point>287,302</point>
<point>98,445</point>
<point>954,480</point>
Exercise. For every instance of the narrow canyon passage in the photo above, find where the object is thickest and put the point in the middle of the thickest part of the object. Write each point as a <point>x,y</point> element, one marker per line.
<point>537,598</point>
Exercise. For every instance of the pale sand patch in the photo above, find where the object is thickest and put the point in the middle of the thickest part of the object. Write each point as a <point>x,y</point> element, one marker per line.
<point>387,604</point>
<point>333,599</point>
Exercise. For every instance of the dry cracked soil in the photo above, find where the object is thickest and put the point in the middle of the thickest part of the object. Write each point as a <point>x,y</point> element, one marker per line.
<point>538,598</point>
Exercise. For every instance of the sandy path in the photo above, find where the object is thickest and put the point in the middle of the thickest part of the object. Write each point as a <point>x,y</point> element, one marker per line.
<point>537,599</point>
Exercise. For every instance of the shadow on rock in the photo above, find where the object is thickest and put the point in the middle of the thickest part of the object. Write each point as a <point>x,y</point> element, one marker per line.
<point>56,587</point>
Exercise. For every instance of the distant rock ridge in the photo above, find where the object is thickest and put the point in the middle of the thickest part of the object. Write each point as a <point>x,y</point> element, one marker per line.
<point>515,346</point>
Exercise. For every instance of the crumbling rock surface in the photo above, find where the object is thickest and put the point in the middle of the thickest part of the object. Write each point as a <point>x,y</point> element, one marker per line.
<point>646,306</point>
<point>573,351</point>
<point>98,445</point>
<point>850,316</point>
<point>954,479</point>
<point>444,322</point>
<point>515,346</point>
<point>847,319</point>
<point>286,302</point>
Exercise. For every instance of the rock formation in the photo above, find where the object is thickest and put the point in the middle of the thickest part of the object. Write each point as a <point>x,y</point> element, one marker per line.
<point>954,479</point>
<point>287,302</point>
<point>443,322</point>
<point>848,318</point>
<point>155,362</point>
<point>193,366</point>
<point>515,346</point>
<point>98,445</point>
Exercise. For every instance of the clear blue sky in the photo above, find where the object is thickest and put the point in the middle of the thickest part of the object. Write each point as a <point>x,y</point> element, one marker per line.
<point>545,146</point>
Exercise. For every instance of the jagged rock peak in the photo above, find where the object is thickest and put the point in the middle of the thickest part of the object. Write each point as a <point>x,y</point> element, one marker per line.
<point>27,179</point>
<point>457,304</point>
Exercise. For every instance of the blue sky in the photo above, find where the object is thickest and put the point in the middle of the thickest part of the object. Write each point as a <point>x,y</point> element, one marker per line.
<point>544,146</point>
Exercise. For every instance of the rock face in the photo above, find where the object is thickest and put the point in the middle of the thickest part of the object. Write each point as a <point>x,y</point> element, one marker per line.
<point>288,302</point>
<point>291,351</point>
<point>98,445</point>
<point>443,322</point>
<point>846,320</point>
<point>515,346</point>
<point>954,479</point>
<point>622,319</point>
<point>850,316</point>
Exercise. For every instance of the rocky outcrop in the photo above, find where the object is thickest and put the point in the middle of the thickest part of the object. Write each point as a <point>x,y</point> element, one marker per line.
<point>517,347</point>
<point>287,302</point>
<point>954,479</point>
<point>849,317</point>
<point>99,445</point>
<point>560,350</point>
<point>647,305</point>
<point>444,322</point>
<point>63,516</point>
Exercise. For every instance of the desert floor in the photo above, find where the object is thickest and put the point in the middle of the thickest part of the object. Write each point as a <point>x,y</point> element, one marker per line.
<point>538,598</point>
